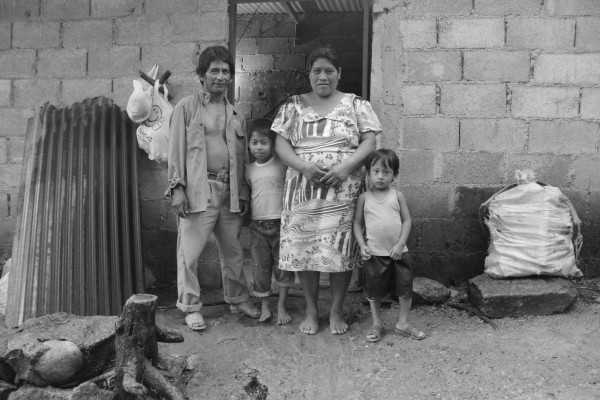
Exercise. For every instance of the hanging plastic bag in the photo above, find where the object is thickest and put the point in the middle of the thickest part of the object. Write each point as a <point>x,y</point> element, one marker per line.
<point>153,133</point>
<point>534,230</point>
<point>139,104</point>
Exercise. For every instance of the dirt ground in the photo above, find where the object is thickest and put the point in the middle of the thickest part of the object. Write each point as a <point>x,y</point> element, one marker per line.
<point>549,357</point>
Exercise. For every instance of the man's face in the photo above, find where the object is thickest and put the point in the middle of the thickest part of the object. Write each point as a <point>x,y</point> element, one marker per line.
<point>217,78</point>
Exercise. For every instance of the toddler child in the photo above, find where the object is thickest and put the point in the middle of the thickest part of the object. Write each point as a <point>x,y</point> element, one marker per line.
<point>266,178</point>
<point>383,213</point>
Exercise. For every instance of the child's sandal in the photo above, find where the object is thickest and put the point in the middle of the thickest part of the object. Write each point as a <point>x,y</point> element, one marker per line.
<point>374,334</point>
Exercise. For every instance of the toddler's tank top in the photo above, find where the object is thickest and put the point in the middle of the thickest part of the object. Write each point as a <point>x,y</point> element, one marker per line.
<point>383,223</point>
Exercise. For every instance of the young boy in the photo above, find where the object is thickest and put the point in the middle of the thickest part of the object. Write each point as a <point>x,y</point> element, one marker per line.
<point>387,223</point>
<point>266,177</point>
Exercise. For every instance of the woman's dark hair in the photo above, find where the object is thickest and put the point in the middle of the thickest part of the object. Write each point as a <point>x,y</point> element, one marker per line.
<point>262,127</point>
<point>324,52</point>
<point>387,157</point>
<point>214,53</point>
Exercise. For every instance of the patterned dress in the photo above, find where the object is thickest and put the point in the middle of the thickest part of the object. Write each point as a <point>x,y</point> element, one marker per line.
<point>316,222</point>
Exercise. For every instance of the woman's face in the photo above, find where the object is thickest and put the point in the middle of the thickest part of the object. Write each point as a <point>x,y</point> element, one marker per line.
<point>324,77</point>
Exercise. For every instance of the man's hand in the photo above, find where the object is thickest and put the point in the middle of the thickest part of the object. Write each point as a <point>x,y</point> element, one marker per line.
<point>244,207</point>
<point>396,252</point>
<point>180,202</point>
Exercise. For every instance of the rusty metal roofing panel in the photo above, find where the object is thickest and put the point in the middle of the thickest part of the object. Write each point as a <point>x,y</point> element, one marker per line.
<point>278,8</point>
<point>77,245</point>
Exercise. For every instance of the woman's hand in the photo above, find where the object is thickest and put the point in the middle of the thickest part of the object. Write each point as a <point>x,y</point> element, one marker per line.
<point>336,175</point>
<point>313,173</point>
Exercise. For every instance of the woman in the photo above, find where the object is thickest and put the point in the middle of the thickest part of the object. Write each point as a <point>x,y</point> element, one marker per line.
<point>324,138</point>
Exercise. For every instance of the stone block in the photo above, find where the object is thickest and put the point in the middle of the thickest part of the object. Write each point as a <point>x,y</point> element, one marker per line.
<point>507,7</point>
<point>467,200</point>
<point>448,267</point>
<point>586,175</point>
<point>65,9</point>
<point>88,33</point>
<point>563,137</point>
<point>161,7</point>
<point>438,7</point>
<point>177,57</point>
<point>17,63</point>
<point>540,33</point>
<point>472,168</point>
<point>429,291</point>
<point>473,100</point>
<point>206,27</point>
<point>35,92</point>
<point>35,35</point>
<point>551,169</point>
<point>10,178</point>
<point>588,32</point>
<point>493,134</point>
<point>259,62</point>
<point>5,35</point>
<point>5,92</point>
<point>432,66</point>
<point>246,47</point>
<point>16,148</point>
<point>114,8</point>
<point>18,10</point>
<point>572,7</point>
<point>453,236</point>
<point>427,201</point>
<point>567,69</point>
<point>417,167</point>
<point>114,61</point>
<point>496,65</point>
<point>430,134</point>
<point>418,99</point>
<point>590,103</point>
<point>274,45</point>
<point>418,33</point>
<point>75,90</point>
<point>57,63</point>
<point>501,298</point>
<point>471,33</point>
<point>545,102</point>
<point>213,5</point>
<point>14,121</point>
<point>287,62</point>
<point>144,29</point>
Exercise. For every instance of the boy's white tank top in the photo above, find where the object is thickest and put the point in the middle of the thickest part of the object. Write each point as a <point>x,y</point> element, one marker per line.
<point>383,223</point>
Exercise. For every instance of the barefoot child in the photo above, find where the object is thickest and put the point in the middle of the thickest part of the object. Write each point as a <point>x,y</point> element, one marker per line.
<point>384,214</point>
<point>266,178</point>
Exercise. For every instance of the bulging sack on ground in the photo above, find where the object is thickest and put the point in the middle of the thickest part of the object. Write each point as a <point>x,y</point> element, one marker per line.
<point>534,230</point>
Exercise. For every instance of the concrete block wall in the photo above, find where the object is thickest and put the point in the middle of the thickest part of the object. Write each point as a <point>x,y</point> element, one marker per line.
<point>63,51</point>
<point>470,91</point>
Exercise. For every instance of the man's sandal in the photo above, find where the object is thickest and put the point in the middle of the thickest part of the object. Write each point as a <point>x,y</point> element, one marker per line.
<point>245,308</point>
<point>412,333</point>
<point>195,321</point>
<point>374,334</point>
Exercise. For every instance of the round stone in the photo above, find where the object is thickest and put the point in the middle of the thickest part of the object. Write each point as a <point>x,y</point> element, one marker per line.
<point>61,362</point>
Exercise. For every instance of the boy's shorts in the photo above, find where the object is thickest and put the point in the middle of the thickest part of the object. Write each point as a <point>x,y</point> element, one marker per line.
<point>384,275</point>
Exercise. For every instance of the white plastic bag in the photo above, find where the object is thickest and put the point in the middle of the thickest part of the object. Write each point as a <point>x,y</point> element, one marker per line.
<point>153,133</point>
<point>534,230</point>
<point>139,104</point>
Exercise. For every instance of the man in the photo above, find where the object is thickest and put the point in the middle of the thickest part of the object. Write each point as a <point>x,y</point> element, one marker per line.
<point>207,157</point>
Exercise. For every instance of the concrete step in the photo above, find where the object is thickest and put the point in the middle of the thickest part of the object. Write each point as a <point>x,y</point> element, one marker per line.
<point>518,297</point>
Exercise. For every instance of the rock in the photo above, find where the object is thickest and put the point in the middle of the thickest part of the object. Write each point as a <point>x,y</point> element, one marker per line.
<point>6,389</point>
<point>517,297</point>
<point>89,391</point>
<point>428,291</point>
<point>36,393</point>
<point>94,336</point>
<point>60,362</point>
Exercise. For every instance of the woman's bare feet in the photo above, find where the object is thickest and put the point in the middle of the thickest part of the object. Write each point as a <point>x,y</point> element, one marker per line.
<point>283,317</point>
<point>310,325</point>
<point>337,324</point>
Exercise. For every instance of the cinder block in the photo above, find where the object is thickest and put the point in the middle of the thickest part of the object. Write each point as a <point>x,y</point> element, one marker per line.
<point>417,167</point>
<point>122,88</point>
<point>472,168</point>
<point>246,47</point>
<point>3,150</point>
<point>572,7</point>
<point>153,184</point>
<point>5,35</point>
<point>177,57</point>
<point>75,90</point>
<point>563,137</point>
<point>438,7</point>
<point>391,70</point>
<point>135,30</point>
<point>65,9</point>
<point>432,66</point>
<point>551,169</point>
<point>496,65</point>
<point>545,102</point>
<point>4,205</point>
<point>418,33</point>
<point>17,63</point>
<point>57,63</point>
<point>473,100</point>
<point>258,62</point>
<point>427,201</point>
<point>114,61</point>
<point>430,134</point>
<point>588,32</point>
<point>454,236</point>
<point>35,92</point>
<point>540,33</point>
<point>88,33</point>
<point>5,92</point>
<point>567,68</point>
<point>10,177</point>
<point>586,175</point>
<point>392,122</point>
<point>501,298</point>
<point>466,201</point>
<point>471,33</point>
<point>17,10</point>
<point>14,121</point>
<point>114,8</point>
<point>590,103</point>
<point>36,35</point>
<point>418,99</point>
<point>507,7</point>
<point>206,27</point>
<point>274,45</point>
<point>16,148</point>
<point>448,267</point>
<point>493,135</point>
<point>161,7</point>
<point>289,62</point>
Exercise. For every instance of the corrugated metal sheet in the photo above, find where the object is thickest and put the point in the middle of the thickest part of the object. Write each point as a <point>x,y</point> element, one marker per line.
<point>278,8</point>
<point>77,245</point>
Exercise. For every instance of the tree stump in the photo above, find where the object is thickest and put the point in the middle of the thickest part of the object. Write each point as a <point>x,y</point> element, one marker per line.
<point>137,351</point>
